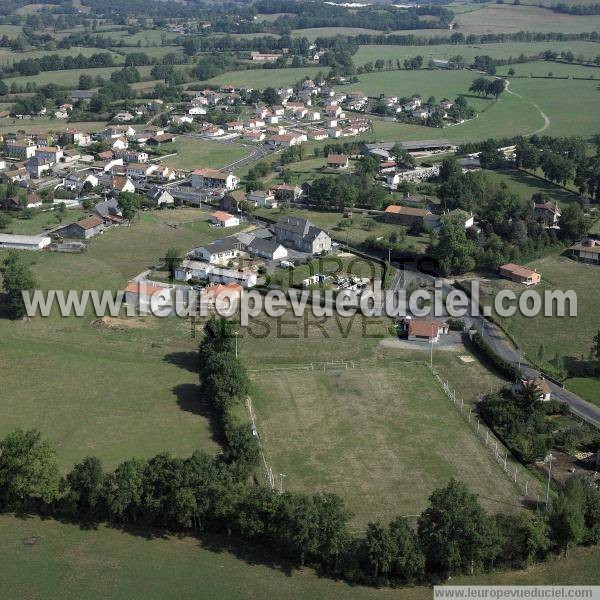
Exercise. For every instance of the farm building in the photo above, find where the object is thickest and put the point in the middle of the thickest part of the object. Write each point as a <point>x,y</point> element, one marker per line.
<point>85,229</point>
<point>23,242</point>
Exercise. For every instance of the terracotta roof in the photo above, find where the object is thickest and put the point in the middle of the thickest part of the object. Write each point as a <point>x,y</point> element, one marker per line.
<point>395,209</point>
<point>423,328</point>
<point>539,383</point>
<point>337,159</point>
<point>211,173</point>
<point>221,215</point>
<point>518,270</point>
<point>149,288</point>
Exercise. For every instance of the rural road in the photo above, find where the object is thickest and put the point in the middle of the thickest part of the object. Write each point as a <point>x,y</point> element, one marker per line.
<point>542,113</point>
<point>494,336</point>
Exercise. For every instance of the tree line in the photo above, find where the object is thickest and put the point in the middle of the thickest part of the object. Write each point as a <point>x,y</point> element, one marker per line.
<point>205,494</point>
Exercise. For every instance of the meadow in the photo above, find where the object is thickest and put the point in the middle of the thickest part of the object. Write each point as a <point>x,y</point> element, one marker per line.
<point>505,18</point>
<point>469,52</point>
<point>68,560</point>
<point>381,437</point>
<point>110,389</point>
<point>261,78</point>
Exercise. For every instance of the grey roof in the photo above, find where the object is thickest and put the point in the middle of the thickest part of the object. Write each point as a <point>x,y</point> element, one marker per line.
<point>298,226</point>
<point>439,143</point>
<point>155,192</point>
<point>107,207</point>
<point>262,232</point>
<point>222,245</point>
<point>259,245</point>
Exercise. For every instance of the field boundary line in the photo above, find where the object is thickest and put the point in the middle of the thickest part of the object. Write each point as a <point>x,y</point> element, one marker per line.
<point>268,470</point>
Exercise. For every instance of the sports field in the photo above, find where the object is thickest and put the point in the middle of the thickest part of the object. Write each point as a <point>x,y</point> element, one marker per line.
<point>382,437</point>
<point>100,563</point>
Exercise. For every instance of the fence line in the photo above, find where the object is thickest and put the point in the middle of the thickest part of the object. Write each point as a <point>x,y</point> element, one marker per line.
<point>527,484</point>
<point>268,470</point>
<point>333,365</point>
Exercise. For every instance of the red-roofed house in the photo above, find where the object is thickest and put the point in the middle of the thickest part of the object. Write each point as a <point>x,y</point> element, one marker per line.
<point>224,219</point>
<point>520,274</point>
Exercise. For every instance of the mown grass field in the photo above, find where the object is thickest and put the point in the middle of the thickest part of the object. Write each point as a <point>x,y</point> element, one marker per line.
<point>261,78</point>
<point>194,153</point>
<point>446,51</point>
<point>111,390</point>
<point>542,68</point>
<point>505,18</point>
<point>383,438</point>
<point>68,561</point>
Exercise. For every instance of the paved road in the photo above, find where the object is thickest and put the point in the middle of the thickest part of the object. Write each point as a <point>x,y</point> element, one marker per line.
<point>494,336</point>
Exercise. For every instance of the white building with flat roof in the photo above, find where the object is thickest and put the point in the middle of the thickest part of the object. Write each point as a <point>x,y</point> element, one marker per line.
<point>23,242</point>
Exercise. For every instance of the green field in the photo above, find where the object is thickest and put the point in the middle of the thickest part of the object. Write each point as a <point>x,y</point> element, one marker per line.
<point>69,561</point>
<point>70,78</point>
<point>313,33</point>
<point>107,389</point>
<point>507,18</point>
<point>383,438</point>
<point>567,336</point>
<point>446,51</point>
<point>194,153</point>
<point>42,221</point>
<point>261,78</point>
<point>526,185</point>
<point>8,57</point>
<point>48,125</point>
<point>543,68</point>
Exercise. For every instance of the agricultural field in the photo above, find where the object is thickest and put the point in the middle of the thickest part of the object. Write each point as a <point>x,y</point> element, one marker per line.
<point>97,406</point>
<point>542,68</point>
<point>48,125</point>
<point>106,562</point>
<point>195,153</point>
<point>469,52</point>
<point>382,437</point>
<point>70,77</point>
<point>261,78</point>
<point>313,33</point>
<point>505,18</point>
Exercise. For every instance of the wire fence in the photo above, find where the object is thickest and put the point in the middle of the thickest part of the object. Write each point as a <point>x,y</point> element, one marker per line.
<point>527,484</point>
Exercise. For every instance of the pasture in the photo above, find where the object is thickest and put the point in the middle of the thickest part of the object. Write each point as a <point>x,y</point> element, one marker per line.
<point>469,52</point>
<point>110,389</point>
<point>382,437</point>
<point>261,78</point>
<point>194,153</point>
<point>505,18</point>
<point>106,562</point>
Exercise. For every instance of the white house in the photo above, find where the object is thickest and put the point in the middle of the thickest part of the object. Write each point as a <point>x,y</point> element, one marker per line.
<point>262,198</point>
<point>210,178</point>
<point>224,219</point>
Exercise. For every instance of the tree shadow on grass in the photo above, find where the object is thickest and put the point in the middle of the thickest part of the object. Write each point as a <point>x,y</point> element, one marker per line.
<point>184,360</point>
<point>190,398</point>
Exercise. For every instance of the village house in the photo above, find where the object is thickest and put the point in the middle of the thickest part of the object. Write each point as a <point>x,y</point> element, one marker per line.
<point>318,134</point>
<point>587,251</point>
<point>109,211</point>
<point>201,271</point>
<point>160,197</point>
<point>287,193</point>
<point>76,181</point>
<point>22,149</point>
<point>425,330</point>
<point>140,170</point>
<point>543,391</point>
<point>520,274</point>
<point>196,110</point>
<point>124,117</point>
<point>143,293</point>
<point>120,143</point>
<point>405,215</point>
<point>261,198</point>
<point>121,184</point>
<point>210,178</point>
<point>163,173</point>
<point>220,251</point>
<point>254,136</point>
<point>158,140</point>
<point>223,219</point>
<point>268,249</point>
<point>337,161</point>
<point>288,140</point>
<point>37,167</point>
<point>547,213</point>
<point>302,235</point>
<point>51,154</point>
